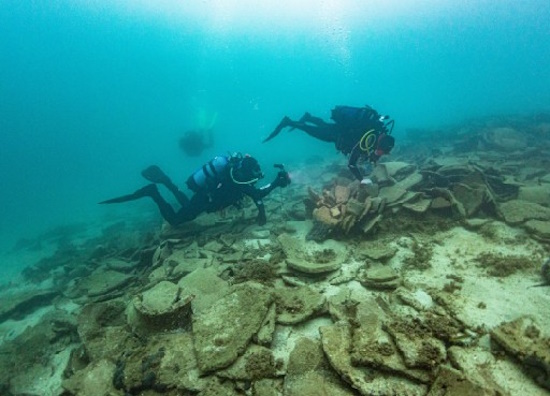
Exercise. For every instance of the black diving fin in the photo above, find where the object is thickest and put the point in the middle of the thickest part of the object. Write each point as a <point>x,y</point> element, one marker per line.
<point>146,191</point>
<point>283,124</point>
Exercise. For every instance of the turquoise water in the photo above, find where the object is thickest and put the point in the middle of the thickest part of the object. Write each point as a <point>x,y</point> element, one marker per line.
<point>91,92</point>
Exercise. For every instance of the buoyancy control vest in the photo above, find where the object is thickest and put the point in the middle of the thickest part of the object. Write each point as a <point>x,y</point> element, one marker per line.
<point>357,117</point>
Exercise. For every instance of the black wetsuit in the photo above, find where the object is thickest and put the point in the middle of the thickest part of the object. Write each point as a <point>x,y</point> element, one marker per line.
<point>227,194</point>
<point>345,136</point>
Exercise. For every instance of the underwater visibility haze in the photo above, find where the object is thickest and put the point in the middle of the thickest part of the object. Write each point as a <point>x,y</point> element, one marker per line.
<point>417,266</point>
<point>94,91</point>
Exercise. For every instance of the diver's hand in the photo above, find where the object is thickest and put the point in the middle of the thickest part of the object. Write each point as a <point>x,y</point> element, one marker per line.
<point>282,179</point>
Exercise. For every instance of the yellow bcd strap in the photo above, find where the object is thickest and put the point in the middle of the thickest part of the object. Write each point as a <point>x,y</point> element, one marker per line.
<point>367,141</point>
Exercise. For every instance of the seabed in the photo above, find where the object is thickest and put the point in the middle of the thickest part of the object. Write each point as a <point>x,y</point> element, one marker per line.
<point>433,281</point>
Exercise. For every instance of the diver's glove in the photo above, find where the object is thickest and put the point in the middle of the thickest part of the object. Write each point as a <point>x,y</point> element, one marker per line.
<point>282,179</point>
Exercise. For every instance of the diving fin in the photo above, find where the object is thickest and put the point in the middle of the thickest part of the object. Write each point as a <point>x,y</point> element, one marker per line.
<point>146,191</point>
<point>155,175</point>
<point>283,124</point>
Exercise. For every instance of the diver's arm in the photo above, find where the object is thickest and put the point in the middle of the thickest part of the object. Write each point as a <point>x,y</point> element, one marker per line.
<point>352,162</point>
<point>257,196</point>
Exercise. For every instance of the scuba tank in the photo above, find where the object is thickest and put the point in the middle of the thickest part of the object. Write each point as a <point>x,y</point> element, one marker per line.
<point>209,175</point>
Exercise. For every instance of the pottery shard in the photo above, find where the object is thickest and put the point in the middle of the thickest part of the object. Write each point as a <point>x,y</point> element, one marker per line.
<point>309,374</point>
<point>506,138</point>
<point>178,365</point>
<point>311,257</point>
<point>223,332</point>
<point>341,193</point>
<point>377,250</point>
<point>18,305</point>
<point>381,278</point>
<point>354,207</point>
<point>517,211</point>
<point>419,349</point>
<point>471,198</point>
<point>95,379</point>
<point>392,194</point>
<point>440,203</point>
<point>104,281</point>
<point>256,363</point>
<point>420,206</point>
<point>336,341</point>
<point>539,228</point>
<point>297,304</point>
<point>324,216</point>
<point>452,382</point>
<point>537,194</point>
<point>335,212</point>
<point>161,308</point>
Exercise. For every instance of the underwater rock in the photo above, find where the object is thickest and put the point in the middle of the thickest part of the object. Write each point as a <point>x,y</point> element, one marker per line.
<point>102,282</point>
<point>372,347</point>
<point>32,354</point>
<point>95,379</point>
<point>256,363</point>
<point>310,257</point>
<point>267,387</point>
<point>536,194</point>
<point>419,349</point>
<point>450,381</point>
<point>207,287</point>
<point>166,361</point>
<point>297,304</point>
<point>119,265</point>
<point>310,374</point>
<point>505,138</point>
<point>17,305</point>
<point>162,308</point>
<point>103,331</point>
<point>516,211</point>
<point>476,365</point>
<point>524,340</point>
<point>223,332</point>
<point>337,343</point>
<point>178,364</point>
<point>265,335</point>
<point>539,229</point>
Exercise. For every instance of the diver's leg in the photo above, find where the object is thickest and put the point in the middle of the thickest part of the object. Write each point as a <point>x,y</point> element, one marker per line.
<point>180,196</point>
<point>307,117</point>
<point>152,191</point>
<point>156,175</point>
<point>326,133</point>
<point>197,205</point>
<point>283,124</point>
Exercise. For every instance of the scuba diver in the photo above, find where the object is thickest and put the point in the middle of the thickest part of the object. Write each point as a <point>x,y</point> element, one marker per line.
<point>358,132</point>
<point>195,141</point>
<point>218,184</point>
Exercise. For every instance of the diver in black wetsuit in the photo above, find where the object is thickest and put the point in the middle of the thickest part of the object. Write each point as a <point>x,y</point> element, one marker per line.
<point>220,183</point>
<point>358,132</point>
